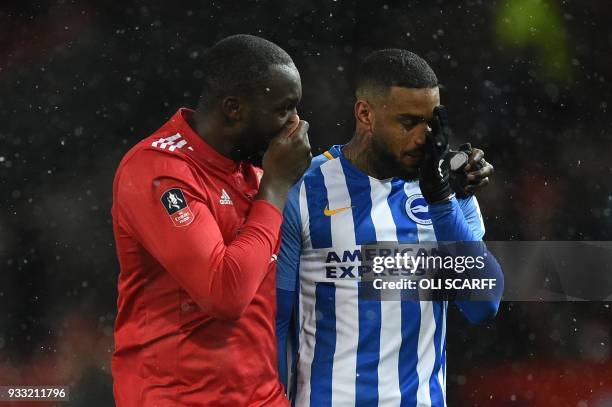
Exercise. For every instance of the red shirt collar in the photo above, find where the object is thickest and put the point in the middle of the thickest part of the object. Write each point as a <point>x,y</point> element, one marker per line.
<point>201,150</point>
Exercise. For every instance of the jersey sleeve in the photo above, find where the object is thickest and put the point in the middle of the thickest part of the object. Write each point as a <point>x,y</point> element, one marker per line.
<point>291,242</point>
<point>471,211</point>
<point>451,224</point>
<point>286,282</point>
<point>221,278</point>
<point>291,234</point>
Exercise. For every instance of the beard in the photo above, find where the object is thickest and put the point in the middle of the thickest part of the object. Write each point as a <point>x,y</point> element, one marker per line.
<point>250,150</point>
<point>252,146</point>
<point>384,162</point>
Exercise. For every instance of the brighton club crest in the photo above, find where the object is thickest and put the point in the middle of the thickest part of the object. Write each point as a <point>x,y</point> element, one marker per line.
<point>417,209</point>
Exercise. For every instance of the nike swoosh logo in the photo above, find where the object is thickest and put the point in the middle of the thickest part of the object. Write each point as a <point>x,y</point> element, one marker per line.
<point>332,212</point>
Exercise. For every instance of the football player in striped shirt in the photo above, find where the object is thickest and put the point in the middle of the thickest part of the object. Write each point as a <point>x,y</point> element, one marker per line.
<point>385,185</point>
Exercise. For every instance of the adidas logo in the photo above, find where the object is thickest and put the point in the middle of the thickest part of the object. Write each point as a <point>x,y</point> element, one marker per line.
<point>225,198</point>
<point>171,143</point>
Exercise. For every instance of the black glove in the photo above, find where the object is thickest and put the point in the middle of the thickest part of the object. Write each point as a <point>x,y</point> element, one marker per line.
<point>458,177</point>
<point>434,171</point>
<point>457,160</point>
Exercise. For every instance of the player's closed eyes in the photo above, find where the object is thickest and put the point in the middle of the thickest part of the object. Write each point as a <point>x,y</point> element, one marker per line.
<point>288,107</point>
<point>409,122</point>
<point>409,125</point>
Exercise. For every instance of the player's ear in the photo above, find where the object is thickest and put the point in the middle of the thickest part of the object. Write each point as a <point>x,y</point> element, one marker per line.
<point>232,108</point>
<point>364,113</point>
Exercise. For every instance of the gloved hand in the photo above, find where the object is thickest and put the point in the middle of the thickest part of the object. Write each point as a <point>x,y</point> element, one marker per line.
<point>434,172</point>
<point>469,171</point>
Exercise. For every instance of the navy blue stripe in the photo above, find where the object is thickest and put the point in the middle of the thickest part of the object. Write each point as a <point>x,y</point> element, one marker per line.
<point>406,228</point>
<point>325,345</point>
<point>358,186</point>
<point>408,377</point>
<point>435,387</point>
<point>443,346</point>
<point>316,198</point>
<point>368,349</point>
<point>292,391</point>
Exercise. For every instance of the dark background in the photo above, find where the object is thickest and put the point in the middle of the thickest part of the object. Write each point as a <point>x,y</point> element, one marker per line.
<point>82,81</point>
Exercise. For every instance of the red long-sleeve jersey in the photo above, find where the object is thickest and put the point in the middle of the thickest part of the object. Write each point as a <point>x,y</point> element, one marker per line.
<point>196,307</point>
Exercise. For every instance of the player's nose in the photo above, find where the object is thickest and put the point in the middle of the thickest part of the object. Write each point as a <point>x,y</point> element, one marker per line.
<point>421,134</point>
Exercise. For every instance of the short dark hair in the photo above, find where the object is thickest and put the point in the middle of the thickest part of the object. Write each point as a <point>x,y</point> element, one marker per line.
<point>394,67</point>
<point>239,64</point>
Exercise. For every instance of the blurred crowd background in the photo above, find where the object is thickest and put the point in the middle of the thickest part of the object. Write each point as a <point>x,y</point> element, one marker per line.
<point>83,80</point>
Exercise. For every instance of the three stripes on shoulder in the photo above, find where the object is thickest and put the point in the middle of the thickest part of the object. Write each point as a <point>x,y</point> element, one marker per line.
<point>171,143</point>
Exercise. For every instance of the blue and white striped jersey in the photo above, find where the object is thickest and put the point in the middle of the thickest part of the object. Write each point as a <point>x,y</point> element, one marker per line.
<point>351,351</point>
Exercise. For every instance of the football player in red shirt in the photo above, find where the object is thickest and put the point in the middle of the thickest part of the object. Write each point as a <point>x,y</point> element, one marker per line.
<point>197,232</point>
